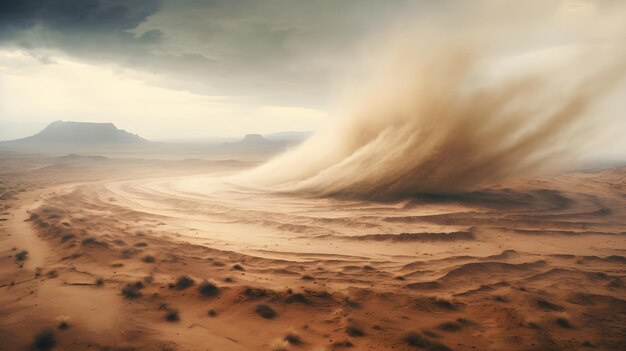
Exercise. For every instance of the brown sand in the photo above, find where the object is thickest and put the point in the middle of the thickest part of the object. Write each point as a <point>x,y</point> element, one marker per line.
<point>529,265</point>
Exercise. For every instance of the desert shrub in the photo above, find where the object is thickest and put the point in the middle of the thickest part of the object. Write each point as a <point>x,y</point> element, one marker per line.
<point>416,340</point>
<point>293,339</point>
<point>563,322</point>
<point>354,331</point>
<point>183,282</point>
<point>132,290</point>
<point>307,277</point>
<point>45,340</point>
<point>22,255</point>
<point>128,252</point>
<point>238,267</point>
<point>89,241</point>
<point>171,315</point>
<point>63,322</point>
<point>212,313</point>
<point>148,259</point>
<point>140,244</point>
<point>254,293</point>
<point>229,280</point>
<point>296,298</point>
<point>548,306</point>
<point>343,343</point>
<point>67,237</point>
<point>265,311</point>
<point>450,326</point>
<point>99,281</point>
<point>208,289</point>
<point>445,303</point>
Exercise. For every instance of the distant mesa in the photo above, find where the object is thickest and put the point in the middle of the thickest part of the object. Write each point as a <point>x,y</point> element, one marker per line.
<point>252,142</point>
<point>61,132</point>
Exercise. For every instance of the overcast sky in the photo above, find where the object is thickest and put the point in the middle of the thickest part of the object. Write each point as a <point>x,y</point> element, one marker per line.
<point>187,68</point>
<point>174,69</point>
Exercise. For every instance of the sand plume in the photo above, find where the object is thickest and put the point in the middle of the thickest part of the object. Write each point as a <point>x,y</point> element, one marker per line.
<point>451,108</point>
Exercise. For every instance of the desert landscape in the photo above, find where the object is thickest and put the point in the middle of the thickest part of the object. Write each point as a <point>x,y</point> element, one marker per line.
<point>316,176</point>
<point>114,254</point>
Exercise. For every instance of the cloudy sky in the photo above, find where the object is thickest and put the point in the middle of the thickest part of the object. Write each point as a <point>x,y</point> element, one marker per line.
<point>179,69</point>
<point>189,68</point>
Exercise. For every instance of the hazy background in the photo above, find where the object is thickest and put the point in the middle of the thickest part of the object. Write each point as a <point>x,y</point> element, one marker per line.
<point>173,70</point>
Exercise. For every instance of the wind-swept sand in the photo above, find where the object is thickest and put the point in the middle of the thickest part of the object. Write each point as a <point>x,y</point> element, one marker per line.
<point>528,265</point>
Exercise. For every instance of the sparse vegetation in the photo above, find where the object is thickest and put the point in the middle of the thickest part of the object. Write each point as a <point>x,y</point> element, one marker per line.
<point>212,313</point>
<point>63,322</point>
<point>171,315</point>
<point>293,339</point>
<point>238,267</point>
<point>548,306</point>
<point>45,340</point>
<point>132,290</point>
<point>67,237</point>
<point>208,289</point>
<point>183,282</point>
<point>296,298</point>
<point>148,259</point>
<point>354,331</point>
<point>21,256</point>
<point>416,340</point>
<point>445,303</point>
<point>229,280</point>
<point>140,244</point>
<point>342,344</point>
<point>307,277</point>
<point>99,281</point>
<point>265,311</point>
<point>563,323</point>
<point>450,326</point>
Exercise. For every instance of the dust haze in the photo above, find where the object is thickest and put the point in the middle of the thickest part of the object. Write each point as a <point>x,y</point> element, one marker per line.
<point>448,104</point>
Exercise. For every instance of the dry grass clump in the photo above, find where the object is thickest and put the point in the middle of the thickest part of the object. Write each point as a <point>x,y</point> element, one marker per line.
<point>132,290</point>
<point>67,237</point>
<point>450,326</point>
<point>416,340</point>
<point>140,244</point>
<point>63,322</point>
<point>208,289</point>
<point>293,339</point>
<point>99,281</point>
<point>171,315</point>
<point>21,256</point>
<point>548,306</point>
<point>238,267</point>
<point>212,313</point>
<point>148,259</point>
<point>354,331</point>
<point>563,323</point>
<point>265,311</point>
<point>307,277</point>
<point>45,340</point>
<point>183,282</point>
<point>342,344</point>
<point>445,303</point>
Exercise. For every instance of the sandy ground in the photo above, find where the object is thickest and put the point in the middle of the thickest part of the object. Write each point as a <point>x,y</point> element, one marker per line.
<point>529,265</point>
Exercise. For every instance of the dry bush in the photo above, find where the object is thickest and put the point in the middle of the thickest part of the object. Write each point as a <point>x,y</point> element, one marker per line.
<point>265,311</point>
<point>208,289</point>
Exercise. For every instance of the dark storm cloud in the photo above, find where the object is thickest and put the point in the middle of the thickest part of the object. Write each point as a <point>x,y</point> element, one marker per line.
<point>282,51</point>
<point>83,15</point>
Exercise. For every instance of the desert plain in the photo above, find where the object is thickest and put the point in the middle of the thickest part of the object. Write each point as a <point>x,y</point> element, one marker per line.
<point>137,252</point>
